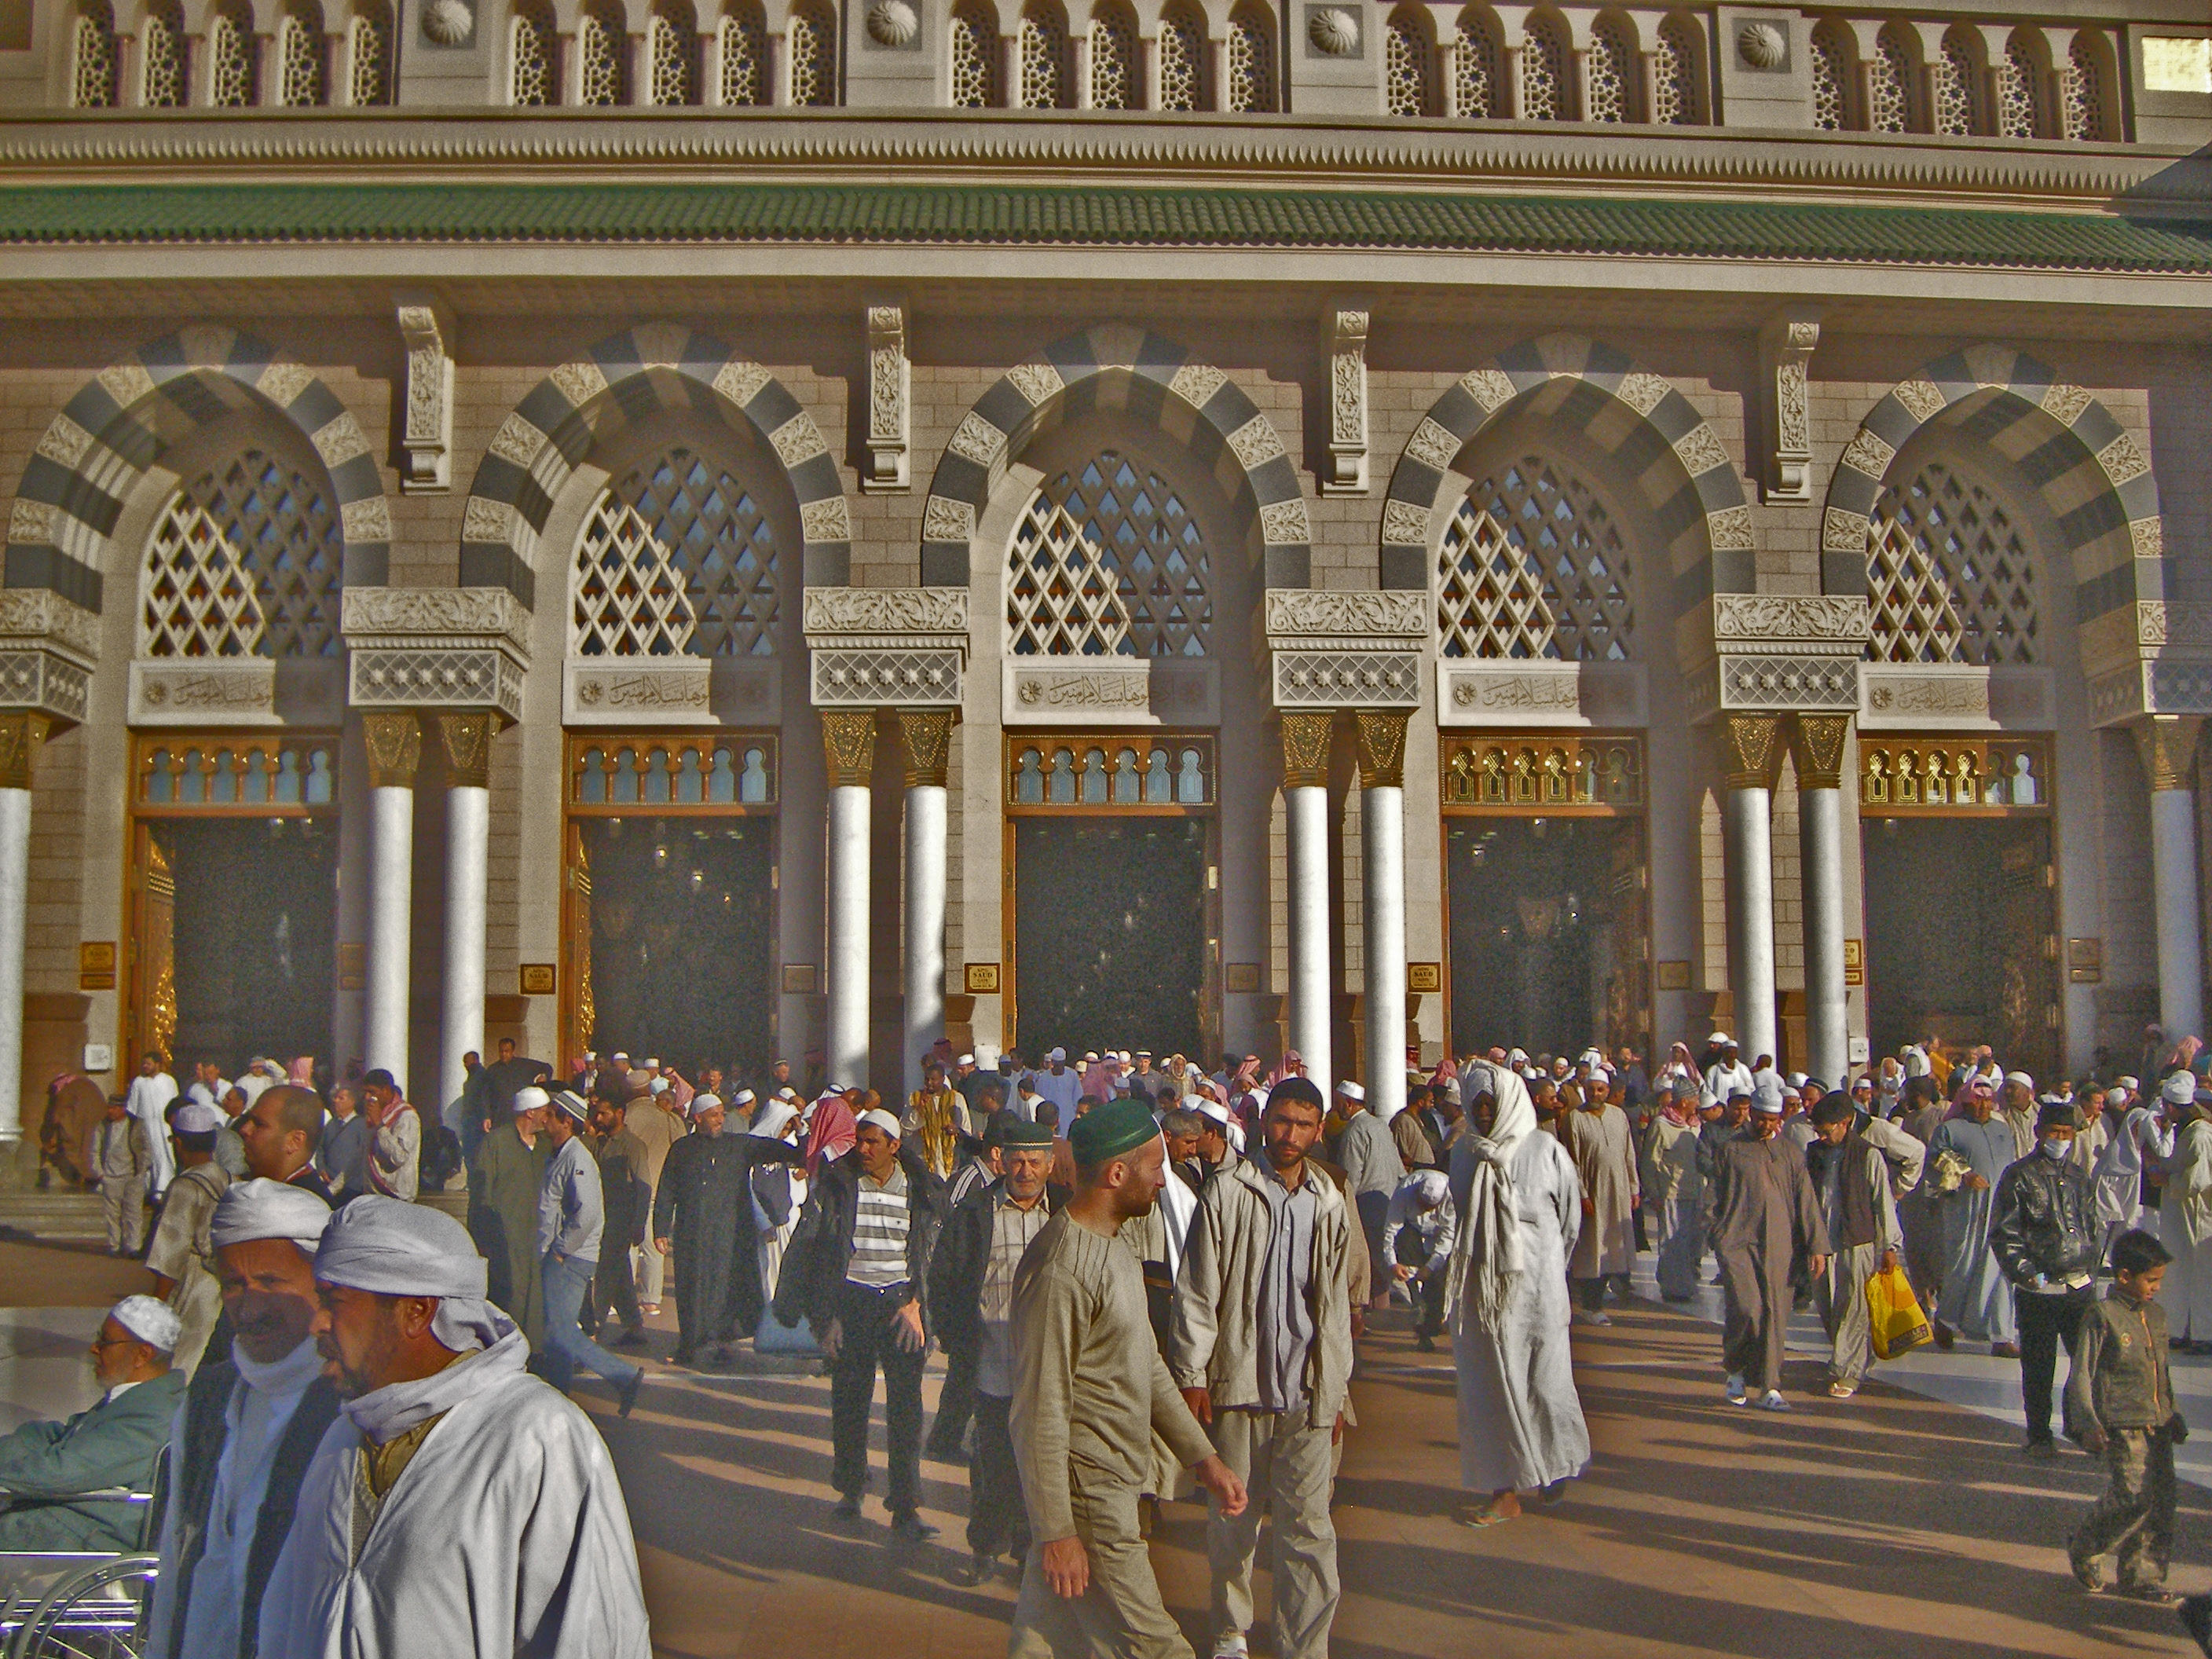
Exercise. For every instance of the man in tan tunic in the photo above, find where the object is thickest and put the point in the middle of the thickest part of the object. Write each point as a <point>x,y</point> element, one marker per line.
<point>182,1255</point>
<point>1091,1390</point>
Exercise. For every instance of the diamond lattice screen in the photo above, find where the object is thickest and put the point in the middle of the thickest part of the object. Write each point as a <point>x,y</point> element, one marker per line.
<point>1108,561</point>
<point>1533,566</point>
<point>245,561</point>
<point>677,560</point>
<point>1948,576</point>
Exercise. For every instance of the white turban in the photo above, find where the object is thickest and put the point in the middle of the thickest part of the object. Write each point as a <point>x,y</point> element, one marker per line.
<point>744,1097</point>
<point>155,1323</point>
<point>197,1119</point>
<point>768,1122</point>
<point>1433,1185</point>
<point>1766,1095</point>
<point>2021,1078</point>
<point>531,1098</point>
<point>2179,1089</point>
<point>704,1103</point>
<point>251,1210</point>
<point>1055,1054</point>
<point>390,1247</point>
<point>883,1121</point>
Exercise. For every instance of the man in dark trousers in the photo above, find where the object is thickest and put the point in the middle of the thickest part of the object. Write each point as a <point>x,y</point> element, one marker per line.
<point>2046,1235</point>
<point>628,1202</point>
<point>702,1220</point>
<point>1764,1219</point>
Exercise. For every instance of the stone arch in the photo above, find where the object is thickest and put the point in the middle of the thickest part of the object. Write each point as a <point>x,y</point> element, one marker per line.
<point>1152,379</point>
<point>122,421</point>
<point>2090,473</point>
<point>1677,461</point>
<point>625,379</point>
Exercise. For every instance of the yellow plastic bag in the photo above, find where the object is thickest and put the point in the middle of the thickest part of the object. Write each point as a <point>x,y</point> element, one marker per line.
<point>1899,1325</point>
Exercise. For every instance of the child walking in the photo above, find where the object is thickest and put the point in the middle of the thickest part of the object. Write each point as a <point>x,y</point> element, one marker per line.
<point>2122,1401</point>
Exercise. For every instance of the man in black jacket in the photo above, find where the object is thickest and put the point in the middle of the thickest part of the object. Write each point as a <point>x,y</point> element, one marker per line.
<point>2045,1233</point>
<point>971,1292</point>
<point>859,1268</point>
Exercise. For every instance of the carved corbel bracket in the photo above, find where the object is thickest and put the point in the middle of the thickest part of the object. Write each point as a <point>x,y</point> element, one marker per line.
<point>1344,337</point>
<point>891,402</point>
<point>1785,347</point>
<point>426,330</point>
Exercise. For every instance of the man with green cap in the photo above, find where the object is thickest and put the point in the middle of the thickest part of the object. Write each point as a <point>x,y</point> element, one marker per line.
<point>1090,1390</point>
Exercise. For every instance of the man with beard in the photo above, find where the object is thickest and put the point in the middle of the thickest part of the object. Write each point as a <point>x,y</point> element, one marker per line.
<point>503,1192</point>
<point>702,1217</point>
<point>248,1429</point>
<point>1976,1299</point>
<point>460,1506</point>
<point>1763,1216</point>
<point>629,1204</point>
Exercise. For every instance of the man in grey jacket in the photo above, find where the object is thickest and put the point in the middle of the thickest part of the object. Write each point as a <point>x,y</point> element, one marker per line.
<point>571,1222</point>
<point>1262,1352</point>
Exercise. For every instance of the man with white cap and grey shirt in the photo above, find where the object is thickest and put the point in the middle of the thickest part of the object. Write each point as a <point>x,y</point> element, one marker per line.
<point>182,1255</point>
<point>1372,1170</point>
<point>459,1506</point>
<point>248,1428</point>
<point>571,1220</point>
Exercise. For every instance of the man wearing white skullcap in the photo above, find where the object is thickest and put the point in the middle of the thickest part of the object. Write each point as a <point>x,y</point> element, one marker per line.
<point>509,1537</point>
<point>1763,1216</point>
<point>248,1428</point>
<point>702,1217</point>
<point>657,1126</point>
<point>571,1224</point>
<point>1977,1298</point>
<point>2141,1135</point>
<point>503,1189</point>
<point>1060,1085</point>
<point>1368,1158</point>
<point>44,1465</point>
<point>181,1251</point>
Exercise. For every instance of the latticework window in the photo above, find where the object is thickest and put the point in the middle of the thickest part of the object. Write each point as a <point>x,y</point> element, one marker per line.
<point>1533,567</point>
<point>673,38</point>
<point>368,52</point>
<point>2083,91</point>
<point>1611,69</point>
<point>303,55</point>
<point>744,57</point>
<point>232,70</point>
<point>2019,90</point>
<point>677,560</point>
<point>1948,576</point>
<point>162,81</point>
<point>1544,72</point>
<point>245,561</point>
<point>1182,64</point>
<point>812,39</point>
<point>1954,87</point>
<point>1476,83</point>
<point>1889,82</point>
<point>1045,78</point>
<point>603,51</point>
<point>1251,57</point>
<point>92,78</point>
<point>1409,66</point>
<point>975,44</point>
<point>1832,62</point>
<point>1678,75</point>
<point>1107,561</point>
<point>534,77</point>
<point>1114,70</point>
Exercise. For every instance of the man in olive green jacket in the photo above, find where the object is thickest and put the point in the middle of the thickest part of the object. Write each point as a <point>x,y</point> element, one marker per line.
<point>1262,1352</point>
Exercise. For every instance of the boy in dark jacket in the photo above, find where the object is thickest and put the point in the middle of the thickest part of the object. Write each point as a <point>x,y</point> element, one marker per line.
<point>2122,1401</point>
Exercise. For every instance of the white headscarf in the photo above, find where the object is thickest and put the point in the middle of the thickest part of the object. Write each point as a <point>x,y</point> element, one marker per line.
<point>768,1122</point>
<point>251,1210</point>
<point>1490,1210</point>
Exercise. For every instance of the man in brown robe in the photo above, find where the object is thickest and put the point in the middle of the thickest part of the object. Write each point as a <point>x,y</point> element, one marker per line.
<point>1599,1138</point>
<point>1762,1216</point>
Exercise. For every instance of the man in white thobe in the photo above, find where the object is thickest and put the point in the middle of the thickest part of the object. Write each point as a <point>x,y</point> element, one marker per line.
<point>510,1537</point>
<point>1061,1084</point>
<point>151,1091</point>
<point>1977,1298</point>
<point>2141,1139</point>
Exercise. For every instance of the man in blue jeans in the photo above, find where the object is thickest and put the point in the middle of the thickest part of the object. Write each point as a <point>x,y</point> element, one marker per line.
<point>571,1216</point>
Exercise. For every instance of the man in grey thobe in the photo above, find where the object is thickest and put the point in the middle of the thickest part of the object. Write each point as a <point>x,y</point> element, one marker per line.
<point>1762,1215</point>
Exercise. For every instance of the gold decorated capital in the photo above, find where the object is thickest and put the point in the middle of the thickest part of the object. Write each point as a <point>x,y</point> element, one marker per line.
<point>21,731</point>
<point>925,737</point>
<point>1381,736</point>
<point>848,744</point>
<point>1305,751</point>
<point>2167,744</point>
<point>394,738</point>
<point>465,749</point>
<point>1816,745</point>
<point>1751,750</point>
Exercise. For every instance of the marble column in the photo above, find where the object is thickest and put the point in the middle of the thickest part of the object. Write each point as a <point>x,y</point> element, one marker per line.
<point>1817,747</point>
<point>1305,806</point>
<point>1753,750</point>
<point>2168,746</point>
<point>926,735</point>
<point>848,741</point>
<point>1382,734</point>
<point>21,732</point>
<point>394,741</point>
<point>464,751</point>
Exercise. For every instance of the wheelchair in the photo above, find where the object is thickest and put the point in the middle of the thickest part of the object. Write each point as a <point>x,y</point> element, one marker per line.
<point>85,1606</point>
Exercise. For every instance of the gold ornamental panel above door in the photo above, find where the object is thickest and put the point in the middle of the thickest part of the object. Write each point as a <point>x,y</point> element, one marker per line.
<point>1552,773</point>
<point>1138,771</point>
<point>718,772</point>
<point>252,775</point>
<point>1905,775</point>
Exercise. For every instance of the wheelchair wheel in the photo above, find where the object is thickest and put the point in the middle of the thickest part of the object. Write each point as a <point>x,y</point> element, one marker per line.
<point>99,1614</point>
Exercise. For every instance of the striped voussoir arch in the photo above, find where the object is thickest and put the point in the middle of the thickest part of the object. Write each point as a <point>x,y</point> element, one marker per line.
<point>1675,459</point>
<point>121,423</point>
<point>2095,477</point>
<point>1152,379</point>
<point>626,377</point>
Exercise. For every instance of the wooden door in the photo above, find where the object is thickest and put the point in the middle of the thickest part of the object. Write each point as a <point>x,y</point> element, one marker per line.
<point>150,1021</point>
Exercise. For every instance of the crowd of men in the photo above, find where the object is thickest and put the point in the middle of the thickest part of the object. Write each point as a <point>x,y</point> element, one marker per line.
<point>1147,1283</point>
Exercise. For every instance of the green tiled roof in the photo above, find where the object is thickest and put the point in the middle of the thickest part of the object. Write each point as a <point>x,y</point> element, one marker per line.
<point>1092,216</point>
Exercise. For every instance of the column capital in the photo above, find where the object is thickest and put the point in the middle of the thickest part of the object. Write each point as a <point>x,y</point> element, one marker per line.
<point>464,748</point>
<point>21,731</point>
<point>1816,744</point>
<point>2167,744</point>
<point>926,735</point>
<point>1382,739</point>
<point>1751,750</point>
<point>394,738</point>
<point>1305,751</point>
<point>848,743</point>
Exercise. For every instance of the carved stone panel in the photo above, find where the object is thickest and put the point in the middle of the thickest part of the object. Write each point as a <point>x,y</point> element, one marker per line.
<point>1111,691</point>
<point>44,681</point>
<point>1344,340</point>
<point>883,614</point>
<point>634,691</point>
<point>889,401</point>
<point>1833,621</point>
<point>440,676</point>
<point>1313,615</point>
<point>427,432</point>
<point>432,615</point>
<point>212,692</point>
<point>1542,694</point>
<point>1347,679</point>
<point>892,678</point>
<point>1785,349</point>
<point>1942,697</point>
